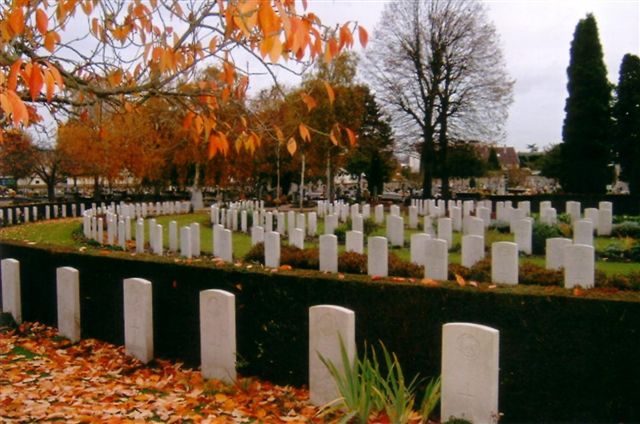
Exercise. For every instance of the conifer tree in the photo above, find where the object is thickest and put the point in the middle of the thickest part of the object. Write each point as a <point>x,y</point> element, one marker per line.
<point>626,115</point>
<point>586,151</point>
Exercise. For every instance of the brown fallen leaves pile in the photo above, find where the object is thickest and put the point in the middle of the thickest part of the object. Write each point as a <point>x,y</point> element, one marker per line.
<point>45,378</point>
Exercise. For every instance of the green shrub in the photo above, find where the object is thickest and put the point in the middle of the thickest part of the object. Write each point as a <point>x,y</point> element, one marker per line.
<point>401,268</point>
<point>458,269</point>
<point>532,274</point>
<point>481,271</point>
<point>500,226</point>
<point>300,258</point>
<point>626,229</point>
<point>352,263</point>
<point>255,254</point>
<point>539,235</point>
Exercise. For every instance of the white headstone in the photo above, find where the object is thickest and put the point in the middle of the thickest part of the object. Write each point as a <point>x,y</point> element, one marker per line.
<point>573,209</point>
<point>413,217</point>
<point>68,297</point>
<point>583,232</point>
<point>554,252</point>
<point>579,266</point>
<point>523,235</point>
<point>257,235</point>
<point>472,250</point>
<point>301,222</point>
<point>329,327</point>
<point>185,242</point>
<point>605,205</point>
<point>243,221</point>
<point>138,319</point>
<point>504,262</point>
<point>195,239</point>
<point>379,214</point>
<point>474,226</point>
<point>592,215</point>
<point>378,257</point>
<point>312,229</point>
<point>296,238</point>
<point>470,371</point>
<point>218,335</point>
<point>455,213</point>
<point>328,253</point>
<point>418,248</point>
<point>11,297</point>
<point>272,250</point>
<point>281,225</point>
<point>226,245</point>
<point>140,237</point>
<point>354,242</point>
<point>445,230</point>
<point>436,265</point>
<point>395,230</point>
<point>366,211</point>
<point>605,221</point>
<point>357,223</point>
<point>330,223</point>
<point>268,223</point>
<point>549,216</point>
<point>173,236</point>
<point>394,210</point>
<point>122,241</point>
<point>484,214</point>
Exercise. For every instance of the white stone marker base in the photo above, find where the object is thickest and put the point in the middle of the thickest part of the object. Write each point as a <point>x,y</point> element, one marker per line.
<point>138,319</point>
<point>504,262</point>
<point>218,335</point>
<point>579,266</point>
<point>472,250</point>
<point>328,253</point>
<point>378,257</point>
<point>470,369</point>
<point>554,252</point>
<point>327,326</point>
<point>272,249</point>
<point>68,295</point>
<point>11,299</point>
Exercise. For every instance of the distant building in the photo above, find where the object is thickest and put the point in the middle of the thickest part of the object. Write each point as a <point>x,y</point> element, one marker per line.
<point>507,156</point>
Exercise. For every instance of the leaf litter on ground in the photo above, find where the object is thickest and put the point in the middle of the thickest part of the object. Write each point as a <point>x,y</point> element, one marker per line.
<point>46,378</point>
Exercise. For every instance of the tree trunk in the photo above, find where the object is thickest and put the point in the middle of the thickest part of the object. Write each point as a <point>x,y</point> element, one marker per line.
<point>302,182</point>
<point>51,191</point>
<point>443,151</point>
<point>97,189</point>
<point>426,162</point>
<point>329,185</point>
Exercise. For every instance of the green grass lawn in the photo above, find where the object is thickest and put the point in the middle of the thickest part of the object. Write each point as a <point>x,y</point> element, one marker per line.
<point>60,232</point>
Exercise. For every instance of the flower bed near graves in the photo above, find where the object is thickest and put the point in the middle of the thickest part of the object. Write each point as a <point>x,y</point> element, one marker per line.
<point>565,355</point>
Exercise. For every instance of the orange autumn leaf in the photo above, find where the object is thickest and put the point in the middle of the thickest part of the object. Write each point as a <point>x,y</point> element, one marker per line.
<point>292,146</point>
<point>36,82</point>
<point>50,40</point>
<point>41,21</point>
<point>304,132</point>
<point>330,93</point>
<point>460,280</point>
<point>16,20</point>
<point>363,36</point>
<point>309,101</point>
<point>351,136</point>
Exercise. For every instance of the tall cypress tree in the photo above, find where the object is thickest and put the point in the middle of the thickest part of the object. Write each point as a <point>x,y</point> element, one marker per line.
<point>626,115</point>
<point>586,149</point>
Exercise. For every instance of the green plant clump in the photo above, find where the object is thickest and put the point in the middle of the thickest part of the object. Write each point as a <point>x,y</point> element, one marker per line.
<point>539,235</point>
<point>365,388</point>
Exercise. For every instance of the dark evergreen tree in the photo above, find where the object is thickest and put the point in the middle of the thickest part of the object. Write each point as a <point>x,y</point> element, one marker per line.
<point>626,115</point>
<point>373,155</point>
<point>586,150</point>
<point>493,162</point>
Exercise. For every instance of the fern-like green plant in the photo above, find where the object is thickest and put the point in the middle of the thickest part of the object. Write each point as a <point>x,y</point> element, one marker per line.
<point>356,383</point>
<point>430,399</point>
<point>396,395</point>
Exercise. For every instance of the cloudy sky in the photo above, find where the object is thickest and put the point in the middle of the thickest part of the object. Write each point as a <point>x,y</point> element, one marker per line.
<point>535,37</point>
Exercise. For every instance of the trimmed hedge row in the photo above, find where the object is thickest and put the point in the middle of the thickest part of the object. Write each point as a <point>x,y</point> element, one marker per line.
<point>562,358</point>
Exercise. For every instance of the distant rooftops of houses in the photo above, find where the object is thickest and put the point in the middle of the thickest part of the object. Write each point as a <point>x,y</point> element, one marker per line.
<point>507,156</point>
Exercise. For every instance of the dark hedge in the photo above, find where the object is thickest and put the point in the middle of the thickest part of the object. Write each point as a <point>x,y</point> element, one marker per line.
<point>563,359</point>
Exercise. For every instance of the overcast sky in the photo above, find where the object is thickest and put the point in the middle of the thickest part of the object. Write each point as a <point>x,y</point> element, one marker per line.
<point>535,37</point>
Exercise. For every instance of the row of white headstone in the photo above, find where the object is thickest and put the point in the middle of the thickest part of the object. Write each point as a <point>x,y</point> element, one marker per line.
<point>470,352</point>
<point>578,262</point>
<point>118,219</point>
<point>26,214</point>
